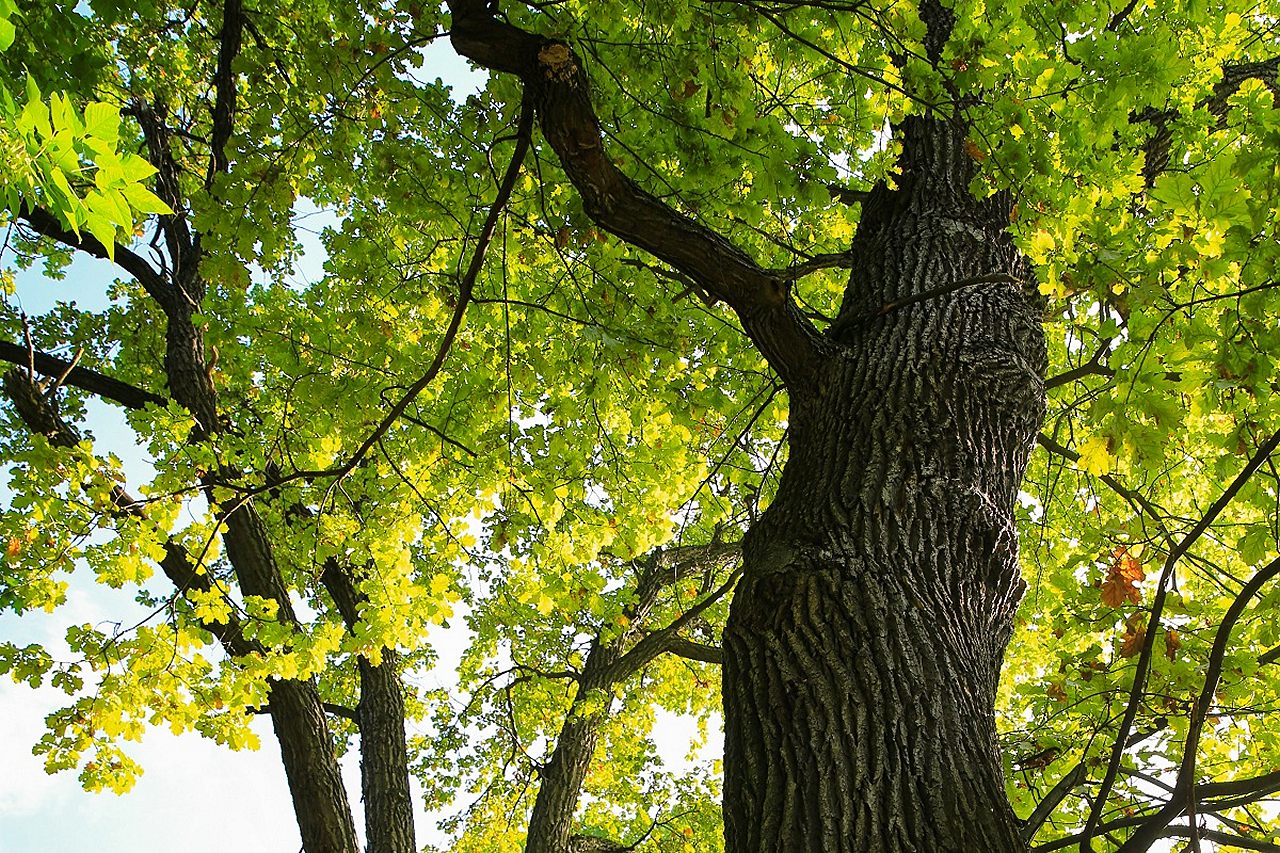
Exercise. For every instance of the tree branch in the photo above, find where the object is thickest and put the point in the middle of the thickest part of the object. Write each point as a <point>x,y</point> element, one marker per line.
<point>129,396</point>
<point>37,412</point>
<point>658,642</point>
<point>224,82</point>
<point>465,288</point>
<point>46,224</point>
<point>690,650</point>
<point>1184,789</point>
<point>552,73</point>
<point>1259,457</point>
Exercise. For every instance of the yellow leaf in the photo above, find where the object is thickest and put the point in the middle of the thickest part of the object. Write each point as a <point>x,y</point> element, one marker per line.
<point>1095,456</point>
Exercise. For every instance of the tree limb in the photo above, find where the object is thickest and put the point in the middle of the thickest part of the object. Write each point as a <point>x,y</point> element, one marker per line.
<point>658,642</point>
<point>1259,457</point>
<point>224,83</point>
<point>691,650</point>
<point>37,412</point>
<point>553,74</point>
<point>1185,789</point>
<point>46,224</point>
<point>129,396</point>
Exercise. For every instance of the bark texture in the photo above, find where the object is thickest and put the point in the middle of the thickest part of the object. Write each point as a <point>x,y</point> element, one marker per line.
<point>865,639</point>
<point>879,589</point>
<point>384,753</point>
<point>611,660</point>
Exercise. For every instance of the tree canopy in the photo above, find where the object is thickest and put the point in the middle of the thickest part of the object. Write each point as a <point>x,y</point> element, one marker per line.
<point>542,388</point>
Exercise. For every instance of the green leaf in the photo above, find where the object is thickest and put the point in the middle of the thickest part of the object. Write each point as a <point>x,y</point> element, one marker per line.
<point>102,121</point>
<point>142,200</point>
<point>102,227</point>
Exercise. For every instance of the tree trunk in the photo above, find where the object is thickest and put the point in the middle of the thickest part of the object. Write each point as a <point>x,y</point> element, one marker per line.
<point>384,752</point>
<point>552,820</point>
<point>865,638</point>
<point>384,758</point>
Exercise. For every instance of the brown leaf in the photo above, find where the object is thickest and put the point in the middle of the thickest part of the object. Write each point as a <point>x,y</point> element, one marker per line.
<point>1121,582</point>
<point>1134,636</point>
<point>688,90</point>
<point>13,548</point>
<point>1172,642</point>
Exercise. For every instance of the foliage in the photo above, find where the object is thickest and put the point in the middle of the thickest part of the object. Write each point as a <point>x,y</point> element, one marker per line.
<point>594,407</point>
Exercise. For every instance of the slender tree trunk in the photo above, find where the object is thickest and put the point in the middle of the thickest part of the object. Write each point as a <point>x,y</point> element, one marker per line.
<point>384,753</point>
<point>865,639</point>
<point>551,822</point>
<point>384,758</point>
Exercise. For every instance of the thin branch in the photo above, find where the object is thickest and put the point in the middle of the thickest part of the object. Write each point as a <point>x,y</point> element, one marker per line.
<point>1069,781</point>
<point>1220,838</point>
<point>1184,789</point>
<point>1092,367</point>
<point>1119,17</point>
<point>1046,807</point>
<point>834,260</point>
<point>659,641</point>
<point>466,286</point>
<point>341,711</point>
<point>1153,625</point>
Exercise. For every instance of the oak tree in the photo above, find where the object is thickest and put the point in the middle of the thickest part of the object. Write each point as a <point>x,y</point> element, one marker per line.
<point>709,359</point>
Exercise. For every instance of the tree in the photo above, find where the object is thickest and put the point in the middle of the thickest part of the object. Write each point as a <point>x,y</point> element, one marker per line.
<point>687,300</point>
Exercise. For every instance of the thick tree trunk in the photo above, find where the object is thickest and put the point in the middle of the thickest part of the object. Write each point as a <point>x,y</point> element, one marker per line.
<point>865,639</point>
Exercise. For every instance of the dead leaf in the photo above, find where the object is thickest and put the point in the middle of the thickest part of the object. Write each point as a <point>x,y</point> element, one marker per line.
<point>1121,582</point>
<point>1135,635</point>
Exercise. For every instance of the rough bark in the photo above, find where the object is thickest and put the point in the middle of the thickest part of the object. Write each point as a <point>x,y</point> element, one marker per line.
<point>551,821</point>
<point>879,589</point>
<point>384,754</point>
